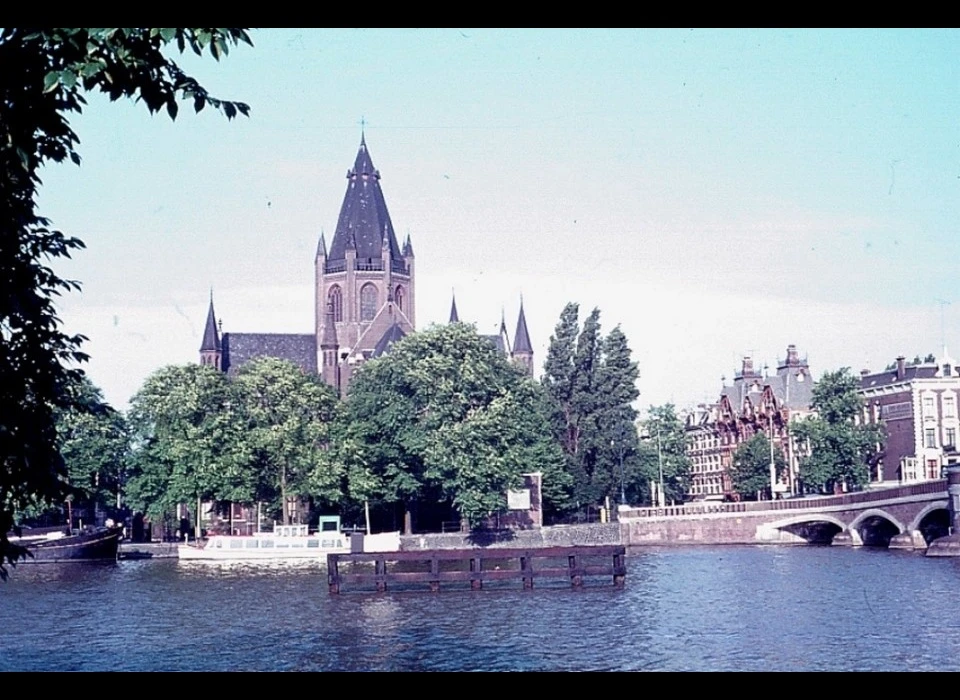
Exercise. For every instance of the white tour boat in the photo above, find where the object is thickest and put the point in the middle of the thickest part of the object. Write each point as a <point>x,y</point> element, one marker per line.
<point>286,542</point>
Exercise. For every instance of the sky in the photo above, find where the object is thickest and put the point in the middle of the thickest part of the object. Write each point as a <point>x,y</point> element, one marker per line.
<point>715,193</point>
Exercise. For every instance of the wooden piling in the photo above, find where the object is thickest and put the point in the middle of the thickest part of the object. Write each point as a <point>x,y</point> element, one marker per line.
<point>529,565</point>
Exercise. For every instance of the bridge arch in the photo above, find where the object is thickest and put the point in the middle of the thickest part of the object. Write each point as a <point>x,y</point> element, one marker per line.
<point>877,527</point>
<point>927,510</point>
<point>812,528</point>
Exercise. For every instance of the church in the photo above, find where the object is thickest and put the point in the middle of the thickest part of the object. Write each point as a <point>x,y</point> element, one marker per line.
<point>364,297</point>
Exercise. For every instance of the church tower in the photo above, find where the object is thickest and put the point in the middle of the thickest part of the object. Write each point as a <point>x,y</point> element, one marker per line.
<point>210,350</point>
<point>365,278</point>
<point>522,353</point>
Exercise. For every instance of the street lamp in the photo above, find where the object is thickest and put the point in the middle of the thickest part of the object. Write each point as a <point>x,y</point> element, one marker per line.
<point>773,468</point>
<point>618,445</point>
<point>662,499</point>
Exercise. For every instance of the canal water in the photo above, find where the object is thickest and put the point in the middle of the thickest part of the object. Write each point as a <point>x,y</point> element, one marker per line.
<point>697,609</point>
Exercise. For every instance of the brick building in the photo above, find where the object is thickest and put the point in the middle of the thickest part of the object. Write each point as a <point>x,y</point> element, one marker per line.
<point>754,403</point>
<point>917,404</point>
<point>364,296</point>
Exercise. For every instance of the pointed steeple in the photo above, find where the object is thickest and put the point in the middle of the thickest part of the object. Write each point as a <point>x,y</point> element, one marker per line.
<point>321,246</point>
<point>407,248</point>
<point>521,339</point>
<point>210,352</point>
<point>454,316</point>
<point>211,338</point>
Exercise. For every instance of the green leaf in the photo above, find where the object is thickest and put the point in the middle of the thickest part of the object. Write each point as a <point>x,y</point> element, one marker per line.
<point>168,33</point>
<point>51,80</point>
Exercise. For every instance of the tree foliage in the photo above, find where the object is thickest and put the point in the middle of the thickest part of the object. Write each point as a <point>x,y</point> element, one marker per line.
<point>591,384</point>
<point>663,451</point>
<point>837,450</point>
<point>43,80</point>
<point>285,417</point>
<point>750,470</point>
<point>188,442</point>
<point>443,418</point>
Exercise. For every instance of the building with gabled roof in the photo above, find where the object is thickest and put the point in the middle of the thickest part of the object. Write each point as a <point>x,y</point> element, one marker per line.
<point>364,293</point>
<point>754,403</point>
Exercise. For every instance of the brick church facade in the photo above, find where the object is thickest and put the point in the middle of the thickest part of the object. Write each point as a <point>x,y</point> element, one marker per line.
<point>364,296</point>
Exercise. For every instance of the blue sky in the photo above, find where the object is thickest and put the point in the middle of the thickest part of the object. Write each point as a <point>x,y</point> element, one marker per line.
<point>716,193</point>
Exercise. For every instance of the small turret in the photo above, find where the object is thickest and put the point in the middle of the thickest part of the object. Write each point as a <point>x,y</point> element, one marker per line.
<point>210,350</point>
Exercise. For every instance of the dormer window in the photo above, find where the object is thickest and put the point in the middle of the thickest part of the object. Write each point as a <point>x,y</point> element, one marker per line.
<point>947,370</point>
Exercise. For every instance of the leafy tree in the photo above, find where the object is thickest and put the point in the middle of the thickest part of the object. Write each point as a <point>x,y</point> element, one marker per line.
<point>46,73</point>
<point>286,415</point>
<point>662,451</point>
<point>95,445</point>
<point>188,442</point>
<point>591,382</point>
<point>750,471</point>
<point>444,418</point>
<point>838,450</point>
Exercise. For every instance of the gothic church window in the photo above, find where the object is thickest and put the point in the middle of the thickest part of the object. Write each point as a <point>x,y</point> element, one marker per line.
<point>368,302</point>
<point>335,299</point>
<point>398,295</point>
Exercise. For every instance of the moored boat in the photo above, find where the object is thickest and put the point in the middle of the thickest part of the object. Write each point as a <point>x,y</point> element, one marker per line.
<point>285,542</point>
<point>51,545</point>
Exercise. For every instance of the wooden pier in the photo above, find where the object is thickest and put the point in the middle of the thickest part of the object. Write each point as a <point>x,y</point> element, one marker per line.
<point>476,565</point>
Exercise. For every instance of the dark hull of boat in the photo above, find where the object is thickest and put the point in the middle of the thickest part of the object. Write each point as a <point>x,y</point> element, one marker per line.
<point>99,544</point>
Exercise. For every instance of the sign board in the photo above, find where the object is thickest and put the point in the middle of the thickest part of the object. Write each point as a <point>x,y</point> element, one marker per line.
<point>518,500</point>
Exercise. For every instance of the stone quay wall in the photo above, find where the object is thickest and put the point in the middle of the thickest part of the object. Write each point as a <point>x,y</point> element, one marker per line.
<point>553,536</point>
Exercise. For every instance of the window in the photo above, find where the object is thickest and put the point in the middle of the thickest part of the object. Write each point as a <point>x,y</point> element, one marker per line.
<point>930,437</point>
<point>951,436</point>
<point>398,296</point>
<point>949,407</point>
<point>335,299</point>
<point>368,302</point>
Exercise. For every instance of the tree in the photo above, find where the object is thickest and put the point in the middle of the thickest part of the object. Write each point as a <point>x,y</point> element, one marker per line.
<point>591,383</point>
<point>45,75</point>
<point>663,455</point>
<point>188,443</point>
<point>285,417</point>
<point>95,445</point>
<point>443,418</point>
<point>750,471</point>
<point>838,450</point>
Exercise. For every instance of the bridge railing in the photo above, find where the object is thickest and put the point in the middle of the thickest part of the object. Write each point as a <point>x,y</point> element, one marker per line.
<point>867,496</point>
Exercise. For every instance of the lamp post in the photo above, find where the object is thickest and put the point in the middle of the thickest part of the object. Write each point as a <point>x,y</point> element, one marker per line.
<point>663,498</point>
<point>773,467</point>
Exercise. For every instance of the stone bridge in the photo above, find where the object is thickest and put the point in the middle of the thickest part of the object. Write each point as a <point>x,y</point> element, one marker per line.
<point>903,516</point>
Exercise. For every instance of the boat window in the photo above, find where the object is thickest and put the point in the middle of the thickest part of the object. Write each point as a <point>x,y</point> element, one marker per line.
<point>267,544</point>
<point>313,543</point>
<point>251,544</point>
<point>236,544</point>
<point>281,544</point>
<point>328,526</point>
<point>296,543</point>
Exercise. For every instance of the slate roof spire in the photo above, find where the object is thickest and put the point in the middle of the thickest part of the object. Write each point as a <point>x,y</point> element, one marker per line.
<point>363,213</point>
<point>211,337</point>
<point>454,316</point>
<point>321,246</point>
<point>521,339</point>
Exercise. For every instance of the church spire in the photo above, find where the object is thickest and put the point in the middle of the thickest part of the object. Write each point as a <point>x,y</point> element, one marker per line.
<point>522,349</point>
<point>210,351</point>
<point>211,338</point>
<point>521,339</point>
<point>321,246</point>
<point>454,316</point>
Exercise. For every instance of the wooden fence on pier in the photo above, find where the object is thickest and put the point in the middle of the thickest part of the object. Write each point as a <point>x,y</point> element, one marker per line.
<point>476,565</point>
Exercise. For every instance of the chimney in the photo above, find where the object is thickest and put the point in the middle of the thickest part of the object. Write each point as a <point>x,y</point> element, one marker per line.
<point>864,372</point>
<point>901,367</point>
<point>747,367</point>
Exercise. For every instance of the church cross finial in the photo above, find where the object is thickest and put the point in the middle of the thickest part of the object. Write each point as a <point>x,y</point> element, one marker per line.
<point>363,138</point>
